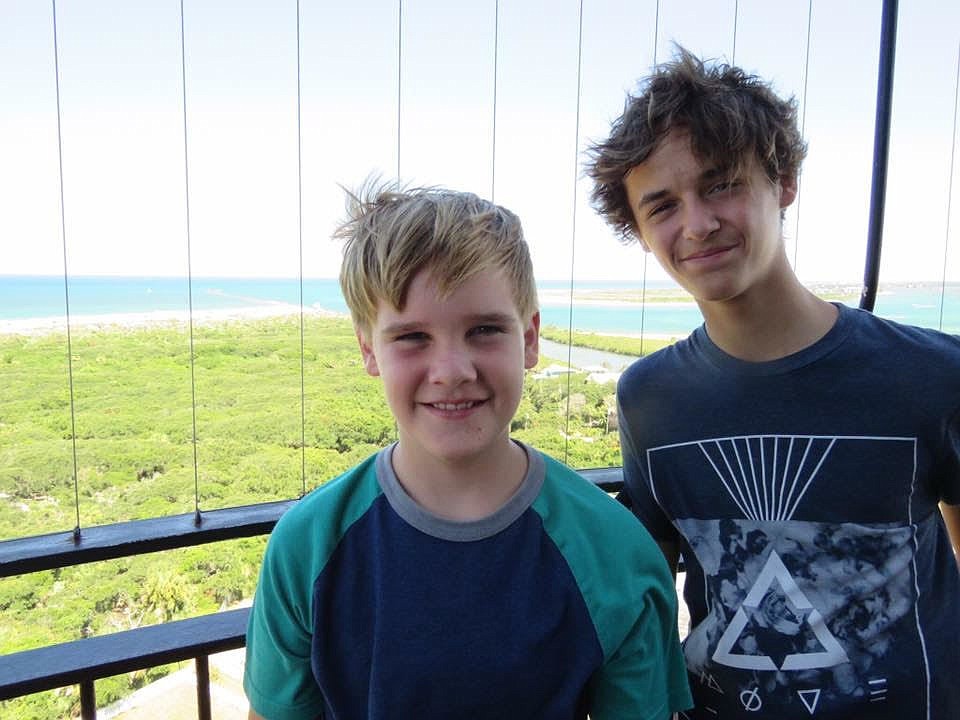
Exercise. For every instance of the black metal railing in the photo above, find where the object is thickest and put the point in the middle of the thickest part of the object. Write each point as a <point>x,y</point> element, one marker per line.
<point>83,662</point>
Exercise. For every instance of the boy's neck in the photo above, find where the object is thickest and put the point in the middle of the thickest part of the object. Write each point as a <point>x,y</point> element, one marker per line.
<point>769,323</point>
<point>468,490</point>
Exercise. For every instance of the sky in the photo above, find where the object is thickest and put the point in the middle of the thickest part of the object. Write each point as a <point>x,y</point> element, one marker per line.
<point>496,97</point>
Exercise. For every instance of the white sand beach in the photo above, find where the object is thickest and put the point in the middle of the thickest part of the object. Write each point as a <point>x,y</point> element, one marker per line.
<point>115,321</point>
<point>123,321</point>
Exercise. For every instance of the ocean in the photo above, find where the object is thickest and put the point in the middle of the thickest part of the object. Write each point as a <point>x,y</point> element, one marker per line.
<point>41,297</point>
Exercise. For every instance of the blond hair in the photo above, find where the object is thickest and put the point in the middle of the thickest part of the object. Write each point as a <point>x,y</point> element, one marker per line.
<point>391,234</point>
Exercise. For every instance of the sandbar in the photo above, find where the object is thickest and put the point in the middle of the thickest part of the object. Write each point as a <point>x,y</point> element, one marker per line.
<point>125,321</point>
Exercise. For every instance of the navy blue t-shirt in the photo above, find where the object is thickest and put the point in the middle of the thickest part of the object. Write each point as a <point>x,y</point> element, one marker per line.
<point>804,496</point>
<point>557,605</point>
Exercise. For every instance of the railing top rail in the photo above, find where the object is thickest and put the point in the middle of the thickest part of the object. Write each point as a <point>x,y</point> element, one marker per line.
<point>136,537</point>
<point>69,663</point>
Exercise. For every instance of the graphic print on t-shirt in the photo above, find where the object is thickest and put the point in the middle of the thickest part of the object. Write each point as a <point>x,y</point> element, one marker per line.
<point>804,603</point>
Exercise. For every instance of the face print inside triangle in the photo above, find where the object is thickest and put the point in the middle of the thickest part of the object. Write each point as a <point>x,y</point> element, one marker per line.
<point>777,628</point>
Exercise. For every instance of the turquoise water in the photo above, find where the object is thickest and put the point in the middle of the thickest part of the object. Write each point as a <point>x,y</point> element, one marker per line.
<point>24,297</point>
<point>44,296</point>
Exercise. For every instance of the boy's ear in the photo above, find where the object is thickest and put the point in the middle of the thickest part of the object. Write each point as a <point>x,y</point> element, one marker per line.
<point>531,342</point>
<point>366,351</point>
<point>788,191</point>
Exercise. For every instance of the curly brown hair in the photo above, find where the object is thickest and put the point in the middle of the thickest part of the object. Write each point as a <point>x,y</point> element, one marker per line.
<point>731,118</point>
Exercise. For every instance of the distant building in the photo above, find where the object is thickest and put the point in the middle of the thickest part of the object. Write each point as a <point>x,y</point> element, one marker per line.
<point>554,371</point>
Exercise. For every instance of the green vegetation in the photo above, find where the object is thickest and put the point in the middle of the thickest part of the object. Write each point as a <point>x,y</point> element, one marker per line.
<point>624,345</point>
<point>133,419</point>
<point>633,295</point>
<point>842,292</point>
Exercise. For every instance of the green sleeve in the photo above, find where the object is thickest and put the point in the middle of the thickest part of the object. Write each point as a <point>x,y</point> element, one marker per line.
<point>629,593</point>
<point>646,675</point>
<point>277,677</point>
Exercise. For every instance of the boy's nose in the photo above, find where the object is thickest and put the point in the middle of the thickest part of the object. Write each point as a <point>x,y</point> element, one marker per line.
<point>699,221</point>
<point>452,365</point>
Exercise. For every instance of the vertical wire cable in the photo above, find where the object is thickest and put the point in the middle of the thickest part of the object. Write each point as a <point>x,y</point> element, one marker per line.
<point>953,148</point>
<point>303,394</point>
<point>736,14</point>
<point>573,231</point>
<point>399,79</point>
<point>493,144</point>
<point>66,284</point>
<point>197,518</point>
<point>646,255</point>
<point>396,428</point>
<point>803,127</point>
<point>656,32</point>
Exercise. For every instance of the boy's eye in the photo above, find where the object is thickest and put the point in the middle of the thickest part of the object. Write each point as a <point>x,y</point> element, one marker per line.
<point>484,330</point>
<point>660,209</point>
<point>724,186</point>
<point>411,337</point>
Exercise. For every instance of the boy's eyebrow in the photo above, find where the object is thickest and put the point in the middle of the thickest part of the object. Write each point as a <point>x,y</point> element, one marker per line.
<point>492,318</point>
<point>652,197</point>
<point>714,173</point>
<point>401,327</point>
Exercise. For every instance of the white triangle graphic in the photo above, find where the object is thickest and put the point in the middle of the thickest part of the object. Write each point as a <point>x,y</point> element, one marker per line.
<point>775,570</point>
<point>809,698</point>
<point>708,680</point>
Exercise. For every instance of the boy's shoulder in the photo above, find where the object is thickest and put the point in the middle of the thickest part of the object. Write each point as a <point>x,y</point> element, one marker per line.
<point>666,361</point>
<point>881,347</point>
<point>598,537</point>
<point>886,331</point>
<point>571,504</point>
<point>856,333</point>
<point>332,507</point>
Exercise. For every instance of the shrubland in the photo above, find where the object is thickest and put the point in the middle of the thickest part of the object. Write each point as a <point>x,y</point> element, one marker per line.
<point>274,414</point>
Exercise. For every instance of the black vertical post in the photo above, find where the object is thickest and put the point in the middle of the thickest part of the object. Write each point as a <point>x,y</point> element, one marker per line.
<point>881,146</point>
<point>88,700</point>
<point>203,687</point>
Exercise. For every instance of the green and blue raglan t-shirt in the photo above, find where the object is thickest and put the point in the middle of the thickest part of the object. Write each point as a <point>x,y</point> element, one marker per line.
<point>557,605</point>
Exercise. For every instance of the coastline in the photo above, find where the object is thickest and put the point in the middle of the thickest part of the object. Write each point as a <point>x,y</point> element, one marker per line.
<point>34,305</point>
<point>604,298</point>
<point>37,326</point>
<point>679,335</point>
<point>40,326</point>
<point>648,335</point>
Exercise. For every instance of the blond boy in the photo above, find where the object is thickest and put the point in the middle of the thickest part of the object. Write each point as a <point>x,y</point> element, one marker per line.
<point>457,573</point>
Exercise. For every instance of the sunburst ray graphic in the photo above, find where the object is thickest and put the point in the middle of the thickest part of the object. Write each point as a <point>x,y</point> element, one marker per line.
<point>767,475</point>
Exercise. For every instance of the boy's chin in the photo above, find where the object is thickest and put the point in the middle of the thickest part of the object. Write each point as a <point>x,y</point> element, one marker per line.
<point>459,450</point>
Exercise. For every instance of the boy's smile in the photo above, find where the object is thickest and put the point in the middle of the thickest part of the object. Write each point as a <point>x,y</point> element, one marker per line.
<point>718,236</point>
<point>452,370</point>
